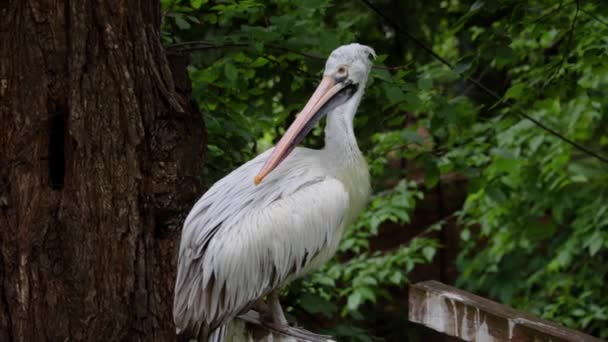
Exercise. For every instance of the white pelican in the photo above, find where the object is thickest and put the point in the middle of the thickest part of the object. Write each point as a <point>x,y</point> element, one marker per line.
<point>278,216</point>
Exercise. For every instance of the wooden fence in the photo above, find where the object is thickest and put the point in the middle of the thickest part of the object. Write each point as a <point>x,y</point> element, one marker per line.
<point>460,314</point>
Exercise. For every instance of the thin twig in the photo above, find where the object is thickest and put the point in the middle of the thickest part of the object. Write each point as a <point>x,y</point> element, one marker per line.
<point>558,67</point>
<point>206,45</point>
<point>552,11</point>
<point>482,74</point>
<point>487,90</point>
<point>201,45</point>
<point>595,17</point>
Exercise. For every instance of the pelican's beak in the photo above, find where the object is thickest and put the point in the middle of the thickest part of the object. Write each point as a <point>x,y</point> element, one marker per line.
<point>318,105</point>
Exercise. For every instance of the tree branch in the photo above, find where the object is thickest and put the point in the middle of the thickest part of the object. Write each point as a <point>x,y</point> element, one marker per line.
<point>202,45</point>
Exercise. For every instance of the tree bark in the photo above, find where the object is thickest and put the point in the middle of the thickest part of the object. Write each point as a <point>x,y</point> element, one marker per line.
<point>100,152</point>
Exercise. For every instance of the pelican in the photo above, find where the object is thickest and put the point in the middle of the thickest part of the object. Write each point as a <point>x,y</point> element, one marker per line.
<point>278,216</point>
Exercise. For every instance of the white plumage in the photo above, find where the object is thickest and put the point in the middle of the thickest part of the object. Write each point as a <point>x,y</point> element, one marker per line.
<point>242,241</point>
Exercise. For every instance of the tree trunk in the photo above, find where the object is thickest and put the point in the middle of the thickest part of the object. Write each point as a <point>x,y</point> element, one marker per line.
<point>100,152</point>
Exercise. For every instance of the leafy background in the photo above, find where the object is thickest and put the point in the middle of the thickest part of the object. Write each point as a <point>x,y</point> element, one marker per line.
<point>532,218</point>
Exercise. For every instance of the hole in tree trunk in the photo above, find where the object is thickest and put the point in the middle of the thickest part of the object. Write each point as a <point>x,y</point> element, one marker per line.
<point>57,148</point>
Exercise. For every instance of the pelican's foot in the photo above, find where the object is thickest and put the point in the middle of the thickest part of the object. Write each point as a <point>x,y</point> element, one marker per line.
<point>270,311</point>
<point>278,316</point>
<point>264,311</point>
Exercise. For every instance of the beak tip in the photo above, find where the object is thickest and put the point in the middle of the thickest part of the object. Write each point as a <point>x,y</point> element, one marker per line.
<point>257,180</point>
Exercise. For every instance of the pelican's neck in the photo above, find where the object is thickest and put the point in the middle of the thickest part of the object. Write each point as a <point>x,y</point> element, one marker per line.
<point>344,158</point>
<point>340,138</point>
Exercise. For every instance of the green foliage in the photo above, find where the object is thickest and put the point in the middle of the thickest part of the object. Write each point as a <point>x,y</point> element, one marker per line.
<point>394,205</point>
<point>535,221</point>
<point>540,206</point>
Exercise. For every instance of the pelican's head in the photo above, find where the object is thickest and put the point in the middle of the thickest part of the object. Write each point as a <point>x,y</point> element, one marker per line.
<point>345,74</point>
<point>350,64</point>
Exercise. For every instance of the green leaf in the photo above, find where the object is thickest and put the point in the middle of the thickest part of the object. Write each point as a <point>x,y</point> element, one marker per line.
<point>397,278</point>
<point>197,3</point>
<point>181,22</point>
<point>314,304</point>
<point>465,235</point>
<point>462,66</point>
<point>412,137</point>
<point>354,300</point>
<point>367,293</point>
<point>429,253</point>
<point>578,312</point>
<point>231,72</point>
<point>515,91</point>
<point>413,101</point>
<point>477,5</point>
<point>431,174</point>
<point>425,83</point>
<point>596,244</point>
<point>394,94</point>
<point>259,62</point>
<point>504,56</point>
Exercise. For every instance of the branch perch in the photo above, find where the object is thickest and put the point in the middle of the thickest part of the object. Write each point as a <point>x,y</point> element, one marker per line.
<point>239,331</point>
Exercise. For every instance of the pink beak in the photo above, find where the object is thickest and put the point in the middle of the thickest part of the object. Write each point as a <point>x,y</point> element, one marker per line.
<point>324,92</point>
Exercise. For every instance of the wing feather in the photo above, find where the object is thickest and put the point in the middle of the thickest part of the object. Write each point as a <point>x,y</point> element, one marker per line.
<point>240,241</point>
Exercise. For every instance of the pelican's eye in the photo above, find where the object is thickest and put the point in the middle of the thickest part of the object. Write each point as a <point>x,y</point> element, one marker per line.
<point>341,73</point>
<point>370,56</point>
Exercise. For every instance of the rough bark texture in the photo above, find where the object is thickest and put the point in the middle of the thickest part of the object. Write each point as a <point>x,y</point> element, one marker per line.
<point>99,155</point>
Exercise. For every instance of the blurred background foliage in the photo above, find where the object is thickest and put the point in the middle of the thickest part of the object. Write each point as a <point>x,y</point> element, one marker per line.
<point>533,223</point>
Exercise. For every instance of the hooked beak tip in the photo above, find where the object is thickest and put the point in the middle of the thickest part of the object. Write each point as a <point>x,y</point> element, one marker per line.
<point>257,180</point>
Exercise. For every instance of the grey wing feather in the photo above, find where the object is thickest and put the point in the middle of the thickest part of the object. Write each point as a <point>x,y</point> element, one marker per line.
<point>241,241</point>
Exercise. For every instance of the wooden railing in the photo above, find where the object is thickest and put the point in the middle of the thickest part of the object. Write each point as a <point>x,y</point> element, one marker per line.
<point>469,317</point>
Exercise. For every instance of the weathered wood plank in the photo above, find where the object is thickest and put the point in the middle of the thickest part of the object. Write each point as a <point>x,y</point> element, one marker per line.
<point>249,328</point>
<point>472,318</point>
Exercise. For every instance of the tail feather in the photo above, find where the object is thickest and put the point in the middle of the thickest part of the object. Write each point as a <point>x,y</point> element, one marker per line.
<point>218,335</point>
